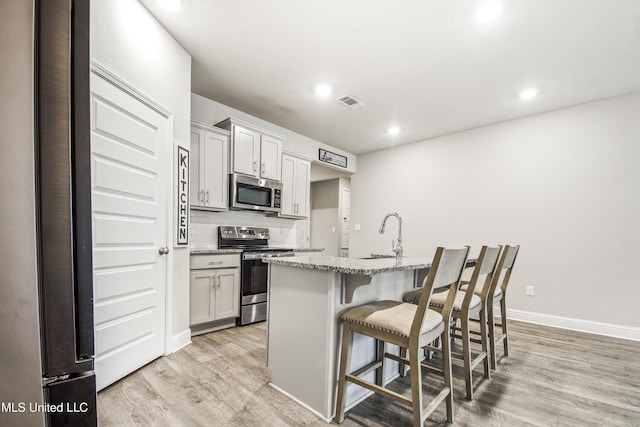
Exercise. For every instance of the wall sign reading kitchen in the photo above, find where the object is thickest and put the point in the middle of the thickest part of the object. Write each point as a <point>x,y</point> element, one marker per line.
<point>182,226</point>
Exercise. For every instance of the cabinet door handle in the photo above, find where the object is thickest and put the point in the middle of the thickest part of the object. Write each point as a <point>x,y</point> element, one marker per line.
<point>207,193</point>
<point>201,196</point>
<point>213,282</point>
<point>262,168</point>
<point>218,275</point>
<point>216,262</point>
<point>255,166</point>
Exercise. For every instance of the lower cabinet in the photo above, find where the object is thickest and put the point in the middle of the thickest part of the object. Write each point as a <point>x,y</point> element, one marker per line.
<point>214,292</point>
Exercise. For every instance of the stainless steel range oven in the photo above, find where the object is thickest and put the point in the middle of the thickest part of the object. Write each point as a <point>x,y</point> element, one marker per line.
<point>254,272</point>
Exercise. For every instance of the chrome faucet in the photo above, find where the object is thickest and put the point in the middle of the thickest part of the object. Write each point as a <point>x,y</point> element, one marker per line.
<point>396,246</point>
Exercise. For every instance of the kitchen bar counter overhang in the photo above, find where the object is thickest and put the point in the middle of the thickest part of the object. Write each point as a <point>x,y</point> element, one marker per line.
<point>307,296</point>
<point>217,251</point>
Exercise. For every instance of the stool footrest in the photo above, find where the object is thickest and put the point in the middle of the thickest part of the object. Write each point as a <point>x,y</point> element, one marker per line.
<point>434,403</point>
<point>402,360</point>
<point>432,369</point>
<point>378,389</point>
<point>367,368</point>
<point>479,358</point>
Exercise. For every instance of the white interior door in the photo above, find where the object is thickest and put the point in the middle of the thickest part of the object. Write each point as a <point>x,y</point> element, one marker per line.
<point>129,152</point>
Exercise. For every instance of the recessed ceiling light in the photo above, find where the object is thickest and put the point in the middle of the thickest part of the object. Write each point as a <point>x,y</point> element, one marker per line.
<point>528,93</point>
<point>488,11</point>
<point>323,90</point>
<point>170,5</point>
<point>393,130</point>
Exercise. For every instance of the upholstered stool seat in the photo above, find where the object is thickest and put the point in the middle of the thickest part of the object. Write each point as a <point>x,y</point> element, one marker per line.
<point>438,299</point>
<point>393,317</point>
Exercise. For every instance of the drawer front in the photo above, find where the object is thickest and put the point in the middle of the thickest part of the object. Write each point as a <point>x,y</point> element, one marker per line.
<point>214,261</point>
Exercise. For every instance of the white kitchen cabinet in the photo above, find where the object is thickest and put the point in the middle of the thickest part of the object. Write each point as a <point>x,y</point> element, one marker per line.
<point>214,291</point>
<point>245,151</point>
<point>296,186</point>
<point>209,186</point>
<point>254,151</point>
<point>270,157</point>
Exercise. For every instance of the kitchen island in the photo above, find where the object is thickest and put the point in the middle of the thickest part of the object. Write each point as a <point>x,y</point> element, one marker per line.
<point>306,298</point>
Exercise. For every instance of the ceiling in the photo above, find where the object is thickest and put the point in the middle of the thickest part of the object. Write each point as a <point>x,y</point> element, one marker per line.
<point>427,66</point>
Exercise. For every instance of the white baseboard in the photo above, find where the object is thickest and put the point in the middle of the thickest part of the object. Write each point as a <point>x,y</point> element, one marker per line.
<point>307,407</point>
<point>178,341</point>
<point>598,328</point>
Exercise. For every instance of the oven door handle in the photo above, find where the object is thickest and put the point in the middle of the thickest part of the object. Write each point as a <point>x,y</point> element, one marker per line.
<point>261,255</point>
<point>282,255</point>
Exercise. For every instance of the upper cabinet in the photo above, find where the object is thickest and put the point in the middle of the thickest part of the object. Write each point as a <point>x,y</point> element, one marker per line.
<point>296,186</point>
<point>209,186</point>
<point>254,151</point>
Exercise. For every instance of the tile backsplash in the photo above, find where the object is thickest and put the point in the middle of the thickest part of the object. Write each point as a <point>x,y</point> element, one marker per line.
<point>282,231</point>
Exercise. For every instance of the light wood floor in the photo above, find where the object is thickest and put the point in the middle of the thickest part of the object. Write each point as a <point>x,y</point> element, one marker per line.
<point>552,377</point>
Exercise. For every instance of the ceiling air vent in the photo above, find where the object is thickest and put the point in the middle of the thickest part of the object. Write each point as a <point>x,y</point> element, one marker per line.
<point>350,101</point>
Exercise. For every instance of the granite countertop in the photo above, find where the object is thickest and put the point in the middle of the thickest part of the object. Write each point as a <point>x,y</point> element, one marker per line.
<point>299,249</point>
<point>212,251</point>
<point>216,251</point>
<point>369,266</point>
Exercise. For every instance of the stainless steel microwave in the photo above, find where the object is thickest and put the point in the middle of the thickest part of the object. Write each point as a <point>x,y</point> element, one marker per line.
<point>249,193</point>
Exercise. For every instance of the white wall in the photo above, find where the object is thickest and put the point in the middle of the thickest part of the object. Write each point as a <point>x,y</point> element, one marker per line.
<point>326,219</point>
<point>130,43</point>
<point>325,228</point>
<point>564,185</point>
<point>19,319</point>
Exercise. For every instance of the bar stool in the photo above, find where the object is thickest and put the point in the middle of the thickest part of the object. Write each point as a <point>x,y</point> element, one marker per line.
<point>465,305</point>
<point>408,326</point>
<point>498,292</point>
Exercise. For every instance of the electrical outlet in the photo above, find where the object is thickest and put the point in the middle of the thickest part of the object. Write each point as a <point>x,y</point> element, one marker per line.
<point>357,227</point>
<point>530,290</point>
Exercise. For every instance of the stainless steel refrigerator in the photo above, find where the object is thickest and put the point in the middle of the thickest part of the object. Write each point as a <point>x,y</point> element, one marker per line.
<point>56,232</point>
<point>64,210</point>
